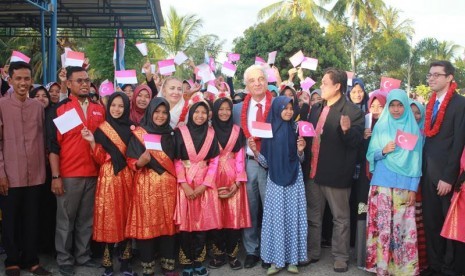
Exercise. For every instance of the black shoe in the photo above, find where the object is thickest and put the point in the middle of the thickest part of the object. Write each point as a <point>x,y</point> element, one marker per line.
<point>251,261</point>
<point>265,265</point>
<point>216,263</point>
<point>235,264</point>
<point>66,270</point>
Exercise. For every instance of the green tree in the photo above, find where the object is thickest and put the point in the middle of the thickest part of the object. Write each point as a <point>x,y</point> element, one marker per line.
<point>391,26</point>
<point>288,37</point>
<point>362,13</point>
<point>293,9</point>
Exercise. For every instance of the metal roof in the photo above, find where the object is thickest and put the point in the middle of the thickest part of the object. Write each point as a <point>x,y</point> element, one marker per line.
<point>82,17</point>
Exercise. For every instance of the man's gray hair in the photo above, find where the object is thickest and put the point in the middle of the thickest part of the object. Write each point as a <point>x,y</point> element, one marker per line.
<point>253,68</point>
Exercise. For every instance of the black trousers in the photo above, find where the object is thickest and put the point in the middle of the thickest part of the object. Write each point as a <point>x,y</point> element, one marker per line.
<point>193,250</point>
<point>440,251</point>
<point>20,226</point>
<point>166,246</point>
<point>226,241</point>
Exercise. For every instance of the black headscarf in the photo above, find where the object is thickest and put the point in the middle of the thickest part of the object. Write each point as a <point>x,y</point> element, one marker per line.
<point>122,126</point>
<point>136,148</point>
<point>241,95</point>
<point>198,134</point>
<point>33,93</point>
<point>223,129</point>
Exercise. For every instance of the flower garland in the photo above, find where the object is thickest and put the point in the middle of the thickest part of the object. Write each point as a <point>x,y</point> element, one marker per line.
<point>185,108</point>
<point>430,132</point>
<point>245,108</point>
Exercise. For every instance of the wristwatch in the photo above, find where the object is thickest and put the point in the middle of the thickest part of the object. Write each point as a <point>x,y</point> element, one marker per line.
<point>55,176</point>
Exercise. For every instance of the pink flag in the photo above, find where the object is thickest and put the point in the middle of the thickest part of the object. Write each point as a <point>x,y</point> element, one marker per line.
<point>152,141</point>
<point>271,75</point>
<point>190,82</point>
<point>18,56</point>
<point>297,58</point>
<point>307,84</point>
<point>228,69</point>
<point>166,67</point>
<point>350,76</point>
<point>306,129</point>
<point>406,140</point>
<point>259,61</point>
<point>234,57</point>
<point>212,64</point>
<point>272,57</point>
<point>212,87</point>
<point>310,63</point>
<point>74,59</point>
<point>142,48</point>
<point>126,76</point>
<point>262,130</point>
<point>388,84</point>
<point>106,88</point>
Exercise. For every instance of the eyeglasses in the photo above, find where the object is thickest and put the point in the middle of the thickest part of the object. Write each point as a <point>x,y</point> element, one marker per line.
<point>81,81</point>
<point>434,76</point>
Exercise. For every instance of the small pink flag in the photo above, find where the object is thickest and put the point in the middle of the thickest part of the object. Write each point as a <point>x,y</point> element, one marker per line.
<point>310,63</point>
<point>306,129</point>
<point>297,58</point>
<point>262,130</point>
<point>166,67</point>
<point>388,84</point>
<point>212,87</point>
<point>271,75</point>
<point>152,141</point>
<point>74,59</point>
<point>142,48</point>
<point>272,57</point>
<point>350,76</point>
<point>406,140</point>
<point>234,57</point>
<point>228,69</point>
<point>106,88</point>
<point>307,84</point>
<point>18,56</point>
<point>259,61</point>
<point>212,64</point>
<point>126,77</point>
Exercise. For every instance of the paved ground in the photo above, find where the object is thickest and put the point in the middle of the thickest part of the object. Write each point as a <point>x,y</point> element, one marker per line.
<point>323,267</point>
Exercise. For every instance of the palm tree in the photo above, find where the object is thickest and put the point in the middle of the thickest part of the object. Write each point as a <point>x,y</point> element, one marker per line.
<point>294,8</point>
<point>363,13</point>
<point>179,31</point>
<point>391,27</point>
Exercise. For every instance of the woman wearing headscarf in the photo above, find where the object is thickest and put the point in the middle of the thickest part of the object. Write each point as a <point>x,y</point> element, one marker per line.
<point>358,95</point>
<point>391,227</point>
<point>231,178</point>
<point>376,105</point>
<point>284,226</point>
<point>114,184</point>
<point>290,92</point>
<point>41,94</point>
<point>139,102</point>
<point>197,208</point>
<point>419,113</point>
<point>150,219</point>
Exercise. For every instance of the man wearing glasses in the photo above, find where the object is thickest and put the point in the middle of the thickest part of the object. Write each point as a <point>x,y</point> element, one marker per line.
<point>445,139</point>
<point>74,174</point>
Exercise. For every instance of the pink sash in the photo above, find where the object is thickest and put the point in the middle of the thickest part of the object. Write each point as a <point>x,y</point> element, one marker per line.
<point>226,153</point>
<point>196,160</point>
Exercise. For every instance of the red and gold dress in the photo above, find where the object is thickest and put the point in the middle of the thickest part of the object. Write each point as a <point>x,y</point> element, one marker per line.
<point>112,194</point>
<point>154,197</point>
<point>201,213</point>
<point>235,209</point>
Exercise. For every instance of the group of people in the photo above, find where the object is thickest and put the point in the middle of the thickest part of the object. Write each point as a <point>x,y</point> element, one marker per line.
<point>178,174</point>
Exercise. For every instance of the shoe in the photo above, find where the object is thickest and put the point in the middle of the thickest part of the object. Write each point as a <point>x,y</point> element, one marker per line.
<point>251,261</point>
<point>66,270</point>
<point>13,271</point>
<point>292,269</point>
<point>40,271</point>
<point>92,264</point>
<point>188,272</point>
<point>265,265</point>
<point>201,271</point>
<point>273,269</point>
<point>340,266</point>
<point>216,263</point>
<point>235,264</point>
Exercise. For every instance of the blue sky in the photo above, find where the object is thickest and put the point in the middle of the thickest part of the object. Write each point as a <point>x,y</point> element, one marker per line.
<point>442,19</point>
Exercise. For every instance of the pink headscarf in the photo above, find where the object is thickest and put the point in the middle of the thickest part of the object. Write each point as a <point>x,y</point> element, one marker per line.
<point>137,113</point>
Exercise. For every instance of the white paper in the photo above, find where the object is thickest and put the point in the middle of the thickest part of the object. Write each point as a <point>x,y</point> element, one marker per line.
<point>368,120</point>
<point>152,68</point>
<point>152,145</point>
<point>63,60</point>
<point>66,122</point>
<point>142,48</point>
<point>297,58</point>
<point>310,63</point>
<point>180,58</point>
<point>272,57</point>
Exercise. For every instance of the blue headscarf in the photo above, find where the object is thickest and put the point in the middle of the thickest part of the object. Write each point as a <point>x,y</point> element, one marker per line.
<point>401,161</point>
<point>420,107</point>
<point>281,150</point>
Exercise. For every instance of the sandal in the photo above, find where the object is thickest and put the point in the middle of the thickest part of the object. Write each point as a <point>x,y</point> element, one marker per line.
<point>216,263</point>
<point>292,269</point>
<point>273,269</point>
<point>235,264</point>
<point>40,271</point>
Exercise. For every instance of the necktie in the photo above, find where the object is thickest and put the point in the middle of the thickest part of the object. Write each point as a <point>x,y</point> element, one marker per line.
<point>435,110</point>
<point>317,140</point>
<point>259,116</point>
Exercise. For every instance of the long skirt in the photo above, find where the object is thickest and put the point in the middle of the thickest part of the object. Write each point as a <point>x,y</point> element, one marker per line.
<point>392,233</point>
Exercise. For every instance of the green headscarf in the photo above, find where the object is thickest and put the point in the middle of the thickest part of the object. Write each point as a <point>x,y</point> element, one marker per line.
<point>401,161</point>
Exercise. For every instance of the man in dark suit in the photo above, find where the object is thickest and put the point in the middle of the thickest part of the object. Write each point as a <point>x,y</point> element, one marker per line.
<point>339,125</point>
<point>255,107</point>
<point>445,139</point>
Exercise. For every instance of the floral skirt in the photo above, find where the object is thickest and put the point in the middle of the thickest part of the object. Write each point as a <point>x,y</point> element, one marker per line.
<point>391,233</point>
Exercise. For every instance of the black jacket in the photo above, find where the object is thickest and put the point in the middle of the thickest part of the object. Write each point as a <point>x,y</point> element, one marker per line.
<point>338,151</point>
